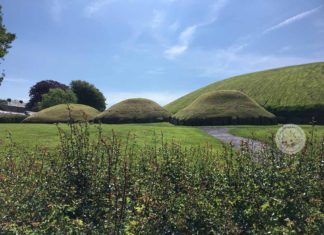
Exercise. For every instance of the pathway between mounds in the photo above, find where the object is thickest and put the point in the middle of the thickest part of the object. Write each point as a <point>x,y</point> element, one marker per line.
<point>223,135</point>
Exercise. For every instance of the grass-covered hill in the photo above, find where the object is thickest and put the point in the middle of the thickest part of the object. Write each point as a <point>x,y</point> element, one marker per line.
<point>223,108</point>
<point>295,93</point>
<point>136,110</point>
<point>63,113</point>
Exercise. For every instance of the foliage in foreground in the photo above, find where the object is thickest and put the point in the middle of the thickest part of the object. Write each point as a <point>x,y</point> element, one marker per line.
<point>113,187</point>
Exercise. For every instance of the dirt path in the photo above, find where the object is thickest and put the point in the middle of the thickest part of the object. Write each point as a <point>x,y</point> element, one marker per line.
<point>223,135</point>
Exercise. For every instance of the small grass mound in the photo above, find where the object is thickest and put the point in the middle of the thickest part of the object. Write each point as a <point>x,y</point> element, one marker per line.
<point>223,108</point>
<point>136,110</point>
<point>63,113</point>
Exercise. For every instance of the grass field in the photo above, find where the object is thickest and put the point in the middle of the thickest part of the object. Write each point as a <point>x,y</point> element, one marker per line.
<point>31,135</point>
<point>264,133</point>
<point>46,135</point>
<point>300,85</point>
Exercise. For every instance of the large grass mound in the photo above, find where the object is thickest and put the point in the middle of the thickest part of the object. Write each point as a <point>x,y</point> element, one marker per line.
<point>134,111</point>
<point>223,108</point>
<point>294,93</point>
<point>63,113</point>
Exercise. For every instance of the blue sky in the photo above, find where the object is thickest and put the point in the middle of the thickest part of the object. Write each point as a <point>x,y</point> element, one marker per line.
<point>157,49</point>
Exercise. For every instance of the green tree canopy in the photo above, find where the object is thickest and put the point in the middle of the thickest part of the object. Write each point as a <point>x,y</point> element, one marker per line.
<point>39,89</point>
<point>57,96</point>
<point>6,39</point>
<point>88,94</point>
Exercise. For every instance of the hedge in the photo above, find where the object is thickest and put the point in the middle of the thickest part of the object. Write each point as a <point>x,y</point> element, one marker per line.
<point>11,118</point>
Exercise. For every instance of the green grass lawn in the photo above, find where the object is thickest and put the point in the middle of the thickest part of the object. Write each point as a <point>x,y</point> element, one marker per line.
<point>31,135</point>
<point>264,133</point>
<point>46,135</point>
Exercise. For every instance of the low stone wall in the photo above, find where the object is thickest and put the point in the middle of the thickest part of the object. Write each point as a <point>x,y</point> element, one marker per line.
<point>299,115</point>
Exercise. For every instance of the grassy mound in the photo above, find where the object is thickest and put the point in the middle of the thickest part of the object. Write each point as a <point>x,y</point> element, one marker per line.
<point>294,93</point>
<point>63,113</point>
<point>134,111</point>
<point>223,108</point>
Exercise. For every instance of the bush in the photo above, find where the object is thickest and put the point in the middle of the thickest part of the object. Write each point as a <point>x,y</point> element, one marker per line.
<point>12,118</point>
<point>39,89</point>
<point>57,96</point>
<point>105,186</point>
<point>88,94</point>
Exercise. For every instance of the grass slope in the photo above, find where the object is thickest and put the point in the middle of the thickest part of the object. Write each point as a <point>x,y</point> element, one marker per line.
<point>289,88</point>
<point>46,135</point>
<point>223,107</point>
<point>136,110</point>
<point>61,113</point>
<point>265,133</point>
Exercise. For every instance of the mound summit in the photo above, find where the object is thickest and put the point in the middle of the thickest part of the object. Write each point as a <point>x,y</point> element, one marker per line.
<point>63,113</point>
<point>223,108</point>
<point>294,94</point>
<point>137,110</point>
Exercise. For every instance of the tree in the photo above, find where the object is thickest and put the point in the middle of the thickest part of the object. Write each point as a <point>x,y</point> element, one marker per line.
<point>5,41</point>
<point>88,94</point>
<point>39,89</point>
<point>57,96</point>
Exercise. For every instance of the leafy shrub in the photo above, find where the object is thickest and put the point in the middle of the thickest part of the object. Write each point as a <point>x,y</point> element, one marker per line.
<point>12,118</point>
<point>39,89</point>
<point>108,186</point>
<point>57,96</point>
<point>88,94</point>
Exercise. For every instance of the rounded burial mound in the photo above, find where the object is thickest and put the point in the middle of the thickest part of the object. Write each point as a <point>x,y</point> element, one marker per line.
<point>134,111</point>
<point>223,108</point>
<point>294,94</point>
<point>63,113</point>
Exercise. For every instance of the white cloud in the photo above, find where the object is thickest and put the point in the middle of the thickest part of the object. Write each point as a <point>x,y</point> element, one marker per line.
<point>292,19</point>
<point>174,26</point>
<point>161,98</point>
<point>158,18</point>
<point>214,12</point>
<point>175,51</point>
<point>234,60</point>
<point>95,6</point>
<point>16,80</point>
<point>156,71</point>
<point>187,34</point>
<point>184,40</point>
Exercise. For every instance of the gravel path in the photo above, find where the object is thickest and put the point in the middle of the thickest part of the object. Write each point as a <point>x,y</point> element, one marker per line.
<point>223,135</point>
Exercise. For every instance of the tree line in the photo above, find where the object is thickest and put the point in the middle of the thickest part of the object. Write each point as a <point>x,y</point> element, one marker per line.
<point>48,93</point>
